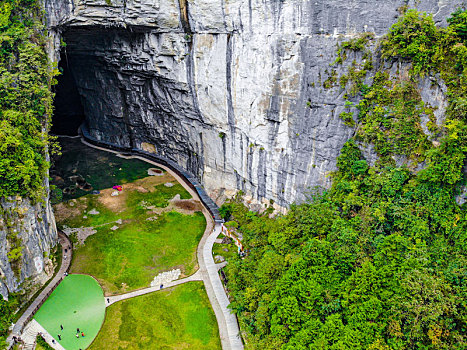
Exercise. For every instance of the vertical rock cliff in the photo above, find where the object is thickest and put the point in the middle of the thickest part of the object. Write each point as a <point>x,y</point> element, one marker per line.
<point>27,226</point>
<point>231,90</point>
<point>27,233</point>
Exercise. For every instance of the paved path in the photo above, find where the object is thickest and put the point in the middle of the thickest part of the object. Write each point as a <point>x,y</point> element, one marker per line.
<point>113,299</point>
<point>227,321</point>
<point>42,297</point>
<point>221,265</point>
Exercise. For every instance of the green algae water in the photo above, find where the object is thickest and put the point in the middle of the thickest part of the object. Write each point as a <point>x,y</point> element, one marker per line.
<point>77,302</point>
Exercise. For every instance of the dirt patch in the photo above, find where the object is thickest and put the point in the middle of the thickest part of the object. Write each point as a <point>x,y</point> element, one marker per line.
<point>188,205</point>
<point>64,210</point>
<point>141,189</point>
<point>114,203</point>
<point>155,172</point>
<point>183,206</point>
<point>151,181</point>
<point>117,203</point>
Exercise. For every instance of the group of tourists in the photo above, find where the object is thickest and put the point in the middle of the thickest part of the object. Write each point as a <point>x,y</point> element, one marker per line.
<point>78,334</point>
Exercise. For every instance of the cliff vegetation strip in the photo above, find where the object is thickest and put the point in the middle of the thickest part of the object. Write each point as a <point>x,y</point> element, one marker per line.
<point>379,260</point>
<point>26,77</point>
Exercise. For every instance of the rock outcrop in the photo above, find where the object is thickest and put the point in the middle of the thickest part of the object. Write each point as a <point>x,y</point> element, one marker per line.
<point>28,234</point>
<point>231,90</point>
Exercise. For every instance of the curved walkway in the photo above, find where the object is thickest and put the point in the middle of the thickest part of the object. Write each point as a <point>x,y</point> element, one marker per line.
<point>185,176</point>
<point>42,297</point>
<point>208,269</point>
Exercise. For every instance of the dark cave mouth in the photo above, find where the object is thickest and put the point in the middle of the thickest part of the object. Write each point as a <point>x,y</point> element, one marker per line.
<point>68,108</point>
<point>82,60</point>
<point>110,85</point>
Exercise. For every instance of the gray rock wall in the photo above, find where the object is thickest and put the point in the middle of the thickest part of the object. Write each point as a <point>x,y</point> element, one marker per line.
<point>33,228</point>
<point>223,87</point>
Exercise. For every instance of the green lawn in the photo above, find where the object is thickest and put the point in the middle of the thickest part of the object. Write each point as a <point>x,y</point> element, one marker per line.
<point>77,302</point>
<point>139,250</point>
<point>177,318</point>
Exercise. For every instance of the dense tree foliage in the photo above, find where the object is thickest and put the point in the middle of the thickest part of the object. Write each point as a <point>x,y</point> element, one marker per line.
<point>7,309</point>
<point>379,260</point>
<point>25,98</point>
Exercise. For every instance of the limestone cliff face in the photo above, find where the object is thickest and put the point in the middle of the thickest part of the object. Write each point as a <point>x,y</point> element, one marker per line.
<point>30,230</point>
<point>231,90</point>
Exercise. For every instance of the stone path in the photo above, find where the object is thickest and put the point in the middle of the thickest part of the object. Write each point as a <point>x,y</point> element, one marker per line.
<point>227,321</point>
<point>113,299</point>
<point>221,265</point>
<point>42,297</point>
<point>29,335</point>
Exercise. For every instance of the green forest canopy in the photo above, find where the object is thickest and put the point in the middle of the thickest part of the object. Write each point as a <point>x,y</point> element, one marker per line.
<point>379,260</point>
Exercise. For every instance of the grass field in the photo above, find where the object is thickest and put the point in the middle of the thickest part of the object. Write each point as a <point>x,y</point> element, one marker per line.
<point>130,257</point>
<point>77,302</point>
<point>177,318</point>
<point>147,229</point>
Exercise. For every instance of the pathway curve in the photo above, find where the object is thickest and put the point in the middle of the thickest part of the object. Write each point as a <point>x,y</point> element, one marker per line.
<point>208,269</point>
<point>42,297</point>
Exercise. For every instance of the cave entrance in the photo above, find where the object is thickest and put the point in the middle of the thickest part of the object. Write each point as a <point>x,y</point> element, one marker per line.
<point>68,109</point>
<point>96,83</point>
<point>128,87</point>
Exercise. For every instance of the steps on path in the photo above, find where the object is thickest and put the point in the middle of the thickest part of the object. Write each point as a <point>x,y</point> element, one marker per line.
<point>30,333</point>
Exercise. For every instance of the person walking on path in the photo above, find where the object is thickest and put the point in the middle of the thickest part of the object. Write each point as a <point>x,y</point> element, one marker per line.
<point>59,337</point>
<point>61,327</point>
